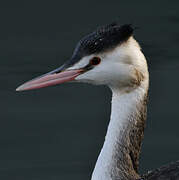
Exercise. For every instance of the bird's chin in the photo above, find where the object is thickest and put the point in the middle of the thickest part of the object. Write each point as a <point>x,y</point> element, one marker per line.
<point>88,81</point>
<point>84,81</point>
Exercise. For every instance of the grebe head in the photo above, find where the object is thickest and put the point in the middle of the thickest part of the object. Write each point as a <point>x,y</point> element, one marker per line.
<point>109,56</point>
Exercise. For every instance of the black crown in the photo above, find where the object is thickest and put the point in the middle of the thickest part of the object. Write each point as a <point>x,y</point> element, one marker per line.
<point>104,38</point>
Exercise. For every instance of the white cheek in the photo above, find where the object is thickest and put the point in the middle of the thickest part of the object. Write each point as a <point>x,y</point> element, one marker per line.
<point>106,73</point>
<point>98,75</point>
<point>82,63</point>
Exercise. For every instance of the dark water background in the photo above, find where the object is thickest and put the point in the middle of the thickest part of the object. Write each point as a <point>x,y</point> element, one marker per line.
<point>57,132</point>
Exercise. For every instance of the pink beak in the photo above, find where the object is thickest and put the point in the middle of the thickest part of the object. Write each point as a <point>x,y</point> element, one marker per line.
<point>50,79</point>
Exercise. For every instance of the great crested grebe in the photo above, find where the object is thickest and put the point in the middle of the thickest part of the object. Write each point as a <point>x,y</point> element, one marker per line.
<point>111,56</point>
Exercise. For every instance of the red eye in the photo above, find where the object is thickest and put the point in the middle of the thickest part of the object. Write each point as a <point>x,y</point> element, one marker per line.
<point>95,61</point>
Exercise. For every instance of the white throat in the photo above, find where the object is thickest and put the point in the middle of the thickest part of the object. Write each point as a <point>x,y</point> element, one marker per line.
<point>114,161</point>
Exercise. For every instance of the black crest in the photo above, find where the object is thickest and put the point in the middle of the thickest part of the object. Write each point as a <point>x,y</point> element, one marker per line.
<point>104,38</point>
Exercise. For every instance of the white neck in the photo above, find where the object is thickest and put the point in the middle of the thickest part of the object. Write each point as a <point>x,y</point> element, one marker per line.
<point>115,161</point>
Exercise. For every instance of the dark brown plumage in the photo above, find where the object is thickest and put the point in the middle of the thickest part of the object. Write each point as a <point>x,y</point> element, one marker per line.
<point>166,172</point>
